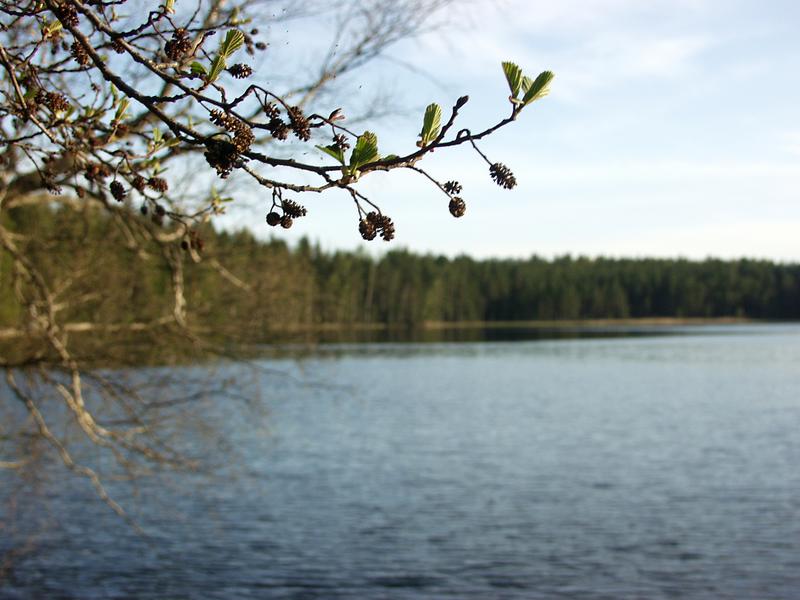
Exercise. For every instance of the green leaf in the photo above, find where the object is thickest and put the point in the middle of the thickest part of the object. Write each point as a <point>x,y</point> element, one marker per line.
<point>390,157</point>
<point>513,76</point>
<point>334,151</point>
<point>431,124</point>
<point>217,67</point>
<point>156,136</point>
<point>198,68</point>
<point>539,88</point>
<point>121,109</point>
<point>234,40</point>
<point>169,6</point>
<point>52,28</point>
<point>365,151</point>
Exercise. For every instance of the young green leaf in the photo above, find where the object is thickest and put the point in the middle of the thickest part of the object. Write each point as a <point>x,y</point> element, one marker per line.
<point>156,136</point>
<point>121,109</point>
<point>431,124</point>
<point>217,67</point>
<point>51,29</point>
<point>513,76</point>
<point>365,150</point>
<point>234,40</point>
<point>198,69</point>
<point>334,151</point>
<point>539,88</point>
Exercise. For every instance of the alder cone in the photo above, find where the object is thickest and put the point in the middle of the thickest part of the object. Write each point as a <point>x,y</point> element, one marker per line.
<point>159,184</point>
<point>240,71</point>
<point>503,176</point>
<point>117,190</point>
<point>457,207</point>
<point>367,230</point>
<point>293,209</point>
<point>452,187</point>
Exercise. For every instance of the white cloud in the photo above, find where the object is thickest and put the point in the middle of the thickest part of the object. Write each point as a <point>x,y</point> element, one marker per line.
<point>545,17</point>
<point>608,61</point>
<point>590,44</point>
<point>658,171</point>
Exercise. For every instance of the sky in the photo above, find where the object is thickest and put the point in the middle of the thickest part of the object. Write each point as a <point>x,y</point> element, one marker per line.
<point>672,129</point>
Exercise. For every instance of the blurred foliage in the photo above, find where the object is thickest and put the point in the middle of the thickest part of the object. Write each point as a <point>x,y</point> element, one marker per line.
<point>306,287</point>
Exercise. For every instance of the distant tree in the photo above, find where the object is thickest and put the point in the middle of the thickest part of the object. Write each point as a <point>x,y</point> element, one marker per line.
<point>97,99</point>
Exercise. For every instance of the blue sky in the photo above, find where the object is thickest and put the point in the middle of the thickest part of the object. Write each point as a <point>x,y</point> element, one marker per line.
<point>672,129</point>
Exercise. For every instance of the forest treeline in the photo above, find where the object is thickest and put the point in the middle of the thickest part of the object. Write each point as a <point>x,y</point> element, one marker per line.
<point>252,288</point>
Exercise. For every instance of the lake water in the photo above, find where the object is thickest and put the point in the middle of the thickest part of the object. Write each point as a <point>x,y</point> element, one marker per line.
<point>635,467</point>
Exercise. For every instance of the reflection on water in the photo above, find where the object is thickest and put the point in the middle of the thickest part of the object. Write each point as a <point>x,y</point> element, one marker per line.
<point>489,334</point>
<point>404,339</point>
<point>627,467</point>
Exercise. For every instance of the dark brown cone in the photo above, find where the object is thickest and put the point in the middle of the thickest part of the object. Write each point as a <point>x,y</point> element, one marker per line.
<point>178,46</point>
<point>299,123</point>
<point>386,227</point>
<point>293,209</point>
<point>79,54</point>
<point>240,70</point>
<point>222,156</point>
<point>158,184</point>
<point>340,141</point>
<point>452,187</point>
<point>117,190</point>
<point>503,176</point>
<point>457,207</point>
<point>367,230</point>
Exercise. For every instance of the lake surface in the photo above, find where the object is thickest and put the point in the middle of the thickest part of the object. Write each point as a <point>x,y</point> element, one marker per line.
<point>634,467</point>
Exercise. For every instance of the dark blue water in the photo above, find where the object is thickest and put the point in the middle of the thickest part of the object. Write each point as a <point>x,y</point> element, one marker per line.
<point>663,467</point>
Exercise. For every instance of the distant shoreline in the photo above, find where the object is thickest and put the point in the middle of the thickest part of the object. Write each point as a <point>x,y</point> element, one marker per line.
<point>535,324</point>
<point>588,323</point>
<point>135,349</point>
